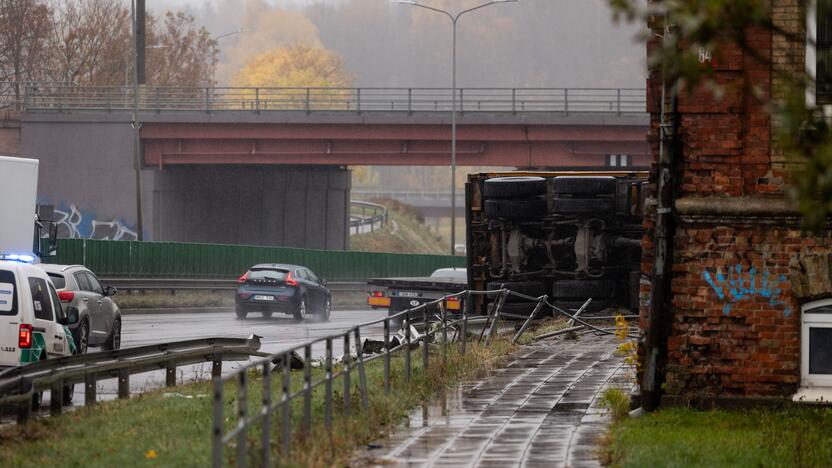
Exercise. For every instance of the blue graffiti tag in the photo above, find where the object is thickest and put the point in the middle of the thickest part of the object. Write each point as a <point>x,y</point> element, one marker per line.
<point>735,288</point>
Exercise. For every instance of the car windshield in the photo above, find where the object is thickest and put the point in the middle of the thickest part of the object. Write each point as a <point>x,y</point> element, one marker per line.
<point>270,274</point>
<point>57,280</point>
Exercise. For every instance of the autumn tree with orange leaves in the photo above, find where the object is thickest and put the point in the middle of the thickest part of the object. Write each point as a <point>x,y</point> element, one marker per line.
<point>294,66</point>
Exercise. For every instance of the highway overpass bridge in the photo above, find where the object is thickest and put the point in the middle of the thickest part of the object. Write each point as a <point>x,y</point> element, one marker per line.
<point>269,166</point>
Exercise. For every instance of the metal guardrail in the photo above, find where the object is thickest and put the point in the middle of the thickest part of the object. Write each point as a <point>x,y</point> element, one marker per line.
<point>363,223</point>
<point>19,384</point>
<point>264,413</point>
<point>39,97</point>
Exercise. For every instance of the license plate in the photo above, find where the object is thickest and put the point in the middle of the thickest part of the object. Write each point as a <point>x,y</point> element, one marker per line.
<point>408,294</point>
<point>263,298</point>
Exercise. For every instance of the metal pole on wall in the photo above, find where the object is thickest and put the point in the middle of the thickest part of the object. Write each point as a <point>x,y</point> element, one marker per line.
<point>453,141</point>
<point>137,167</point>
<point>454,19</point>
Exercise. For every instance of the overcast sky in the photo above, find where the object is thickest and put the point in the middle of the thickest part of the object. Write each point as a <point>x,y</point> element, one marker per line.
<point>540,43</point>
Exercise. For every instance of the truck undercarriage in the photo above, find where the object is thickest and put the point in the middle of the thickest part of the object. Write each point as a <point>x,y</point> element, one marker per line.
<point>570,236</point>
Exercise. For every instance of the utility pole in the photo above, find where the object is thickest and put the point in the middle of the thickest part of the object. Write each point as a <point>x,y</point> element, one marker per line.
<point>138,64</point>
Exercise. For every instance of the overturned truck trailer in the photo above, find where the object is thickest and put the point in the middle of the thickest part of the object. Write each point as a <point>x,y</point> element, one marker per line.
<point>568,235</point>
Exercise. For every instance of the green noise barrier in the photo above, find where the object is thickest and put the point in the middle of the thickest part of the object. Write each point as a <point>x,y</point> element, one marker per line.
<point>134,259</point>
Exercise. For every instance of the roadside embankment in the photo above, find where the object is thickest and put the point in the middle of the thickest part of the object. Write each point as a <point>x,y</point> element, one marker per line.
<point>405,232</point>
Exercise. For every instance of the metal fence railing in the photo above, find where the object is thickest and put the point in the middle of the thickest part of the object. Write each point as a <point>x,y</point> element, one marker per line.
<point>19,384</point>
<point>39,97</point>
<point>366,217</point>
<point>243,422</point>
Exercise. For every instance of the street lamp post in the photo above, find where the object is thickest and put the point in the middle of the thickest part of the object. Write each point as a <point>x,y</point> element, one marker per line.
<point>223,36</point>
<point>137,164</point>
<point>454,19</point>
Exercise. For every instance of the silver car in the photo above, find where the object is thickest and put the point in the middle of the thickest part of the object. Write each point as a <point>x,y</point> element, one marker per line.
<point>99,321</point>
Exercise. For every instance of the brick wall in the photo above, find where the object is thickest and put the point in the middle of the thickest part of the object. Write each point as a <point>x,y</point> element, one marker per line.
<point>736,329</point>
<point>733,318</point>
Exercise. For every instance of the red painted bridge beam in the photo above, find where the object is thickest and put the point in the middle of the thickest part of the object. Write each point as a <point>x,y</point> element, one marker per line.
<point>496,145</point>
<point>508,132</point>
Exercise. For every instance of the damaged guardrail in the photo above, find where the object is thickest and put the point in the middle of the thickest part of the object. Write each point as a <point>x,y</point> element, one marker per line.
<point>19,384</point>
<point>405,341</point>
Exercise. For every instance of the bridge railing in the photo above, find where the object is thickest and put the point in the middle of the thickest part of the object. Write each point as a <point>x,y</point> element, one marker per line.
<point>63,98</point>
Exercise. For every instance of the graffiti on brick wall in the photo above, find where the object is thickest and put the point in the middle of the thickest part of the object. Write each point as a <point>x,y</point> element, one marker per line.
<point>75,224</point>
<point>736,286</point>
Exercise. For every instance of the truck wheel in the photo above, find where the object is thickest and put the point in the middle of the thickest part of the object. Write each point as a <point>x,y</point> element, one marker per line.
<point>586,186</point>
<point>584,289</point>
<point>516,209</point>
<point>581,206</point>
<point>528,288</point>
<point>514,187</point>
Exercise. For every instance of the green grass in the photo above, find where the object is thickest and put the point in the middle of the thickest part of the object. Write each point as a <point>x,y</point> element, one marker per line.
<point>158,431</point>
<point>405,232</point>
<point>617,402</point>
<point>790,437</point>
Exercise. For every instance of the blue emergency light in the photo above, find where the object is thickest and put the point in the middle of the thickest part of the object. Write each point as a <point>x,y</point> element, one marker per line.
<point>17,258</point>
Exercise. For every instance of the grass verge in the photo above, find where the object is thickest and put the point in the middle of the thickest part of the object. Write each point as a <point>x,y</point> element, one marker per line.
<point>161,300</point>
<point>796,436</point>
<point>159,430</point>
<point>405,232</point>
<point>341,300</point>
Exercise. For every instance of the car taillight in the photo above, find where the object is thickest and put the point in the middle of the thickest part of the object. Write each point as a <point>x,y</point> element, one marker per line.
<point>24,337</point>
<point>243,278</point>
<point>378,294</point>
<point>291,281</point>
<point>66,296</point>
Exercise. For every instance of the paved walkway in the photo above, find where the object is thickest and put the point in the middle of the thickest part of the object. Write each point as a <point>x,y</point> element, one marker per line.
<point>540,410</point>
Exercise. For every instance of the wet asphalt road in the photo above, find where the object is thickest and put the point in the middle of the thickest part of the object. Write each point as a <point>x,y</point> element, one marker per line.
<point>277,333</point>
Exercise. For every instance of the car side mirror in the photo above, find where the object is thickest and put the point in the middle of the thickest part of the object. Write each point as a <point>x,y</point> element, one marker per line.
<point>72,316</point>
<point>110,291</point>
<point>323,281</point>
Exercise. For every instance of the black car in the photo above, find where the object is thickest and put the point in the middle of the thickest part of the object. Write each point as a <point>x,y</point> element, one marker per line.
<point>289,289</point>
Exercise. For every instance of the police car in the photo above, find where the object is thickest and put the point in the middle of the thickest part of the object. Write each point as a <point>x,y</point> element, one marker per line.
<point>33,326</point>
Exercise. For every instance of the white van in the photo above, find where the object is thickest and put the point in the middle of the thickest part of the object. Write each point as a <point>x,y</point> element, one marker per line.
<point>31,317</point>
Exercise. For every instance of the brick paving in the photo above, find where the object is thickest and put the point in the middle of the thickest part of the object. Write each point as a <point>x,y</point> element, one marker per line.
<point>540,410</point>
